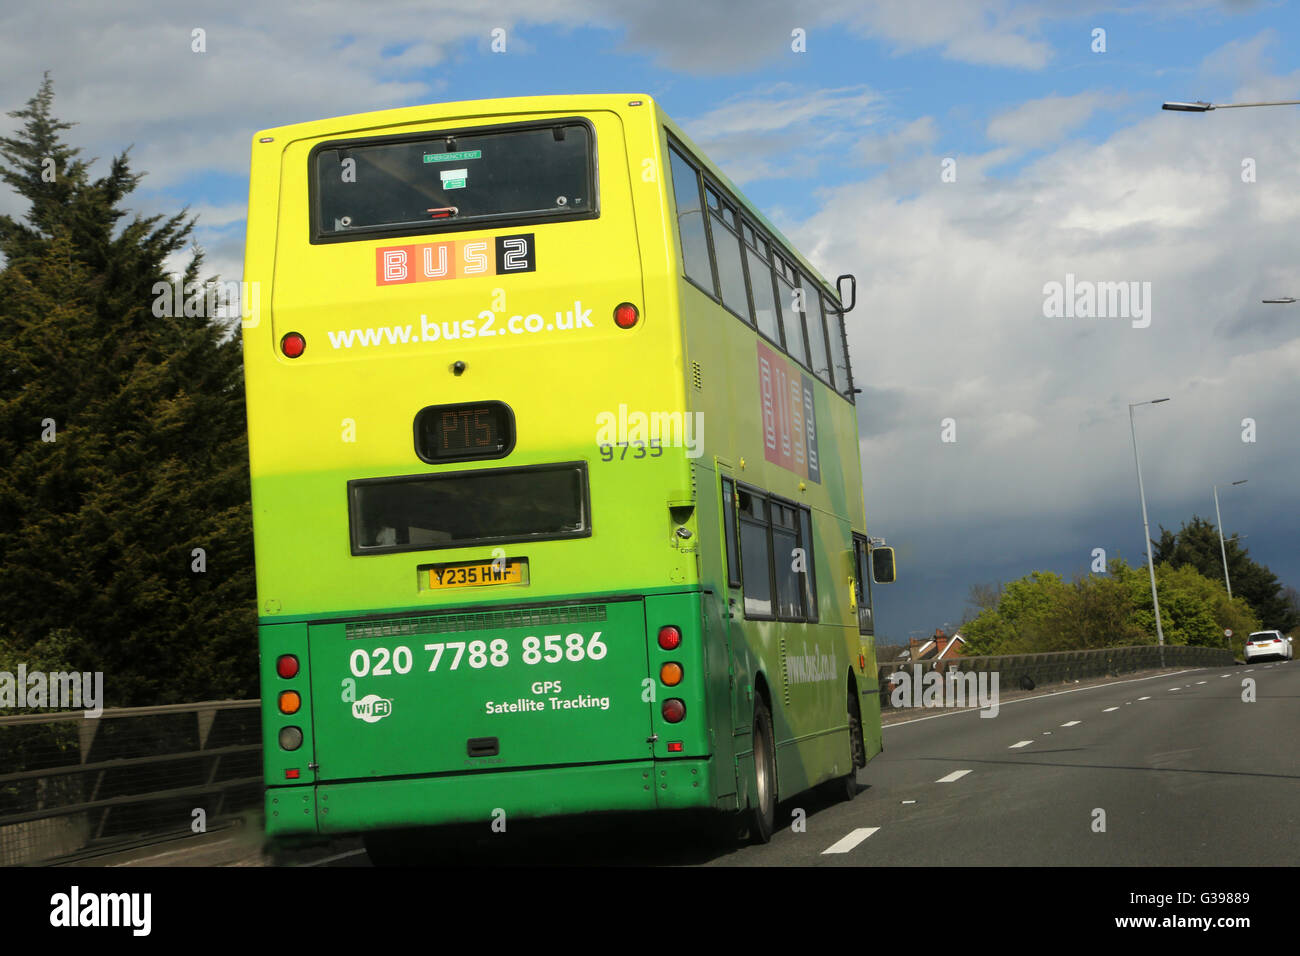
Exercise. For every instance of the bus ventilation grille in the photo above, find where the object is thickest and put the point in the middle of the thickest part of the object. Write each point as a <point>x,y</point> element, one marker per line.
<point>697,376</point>
<point>785,674</point>
<point>483,621</point>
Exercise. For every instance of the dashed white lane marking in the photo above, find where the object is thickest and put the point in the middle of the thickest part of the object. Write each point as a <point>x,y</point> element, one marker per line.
<point>1023,743</point>
<point>955,775</point>
<point>909,801</point>
<point>1071,723</point>
<point>1144,698</point>
<point>1224,675</point>
<point>1109,709</point>
<point>336,856</point>
<point>1200,682</point>
<point>850,841</point>
<point>1175,688</point>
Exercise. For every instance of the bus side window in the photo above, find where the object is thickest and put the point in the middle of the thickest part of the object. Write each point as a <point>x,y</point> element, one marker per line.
<point>690,223</point>
<point>729,531</point>
<point>862,568</point>
<point>809,574</point>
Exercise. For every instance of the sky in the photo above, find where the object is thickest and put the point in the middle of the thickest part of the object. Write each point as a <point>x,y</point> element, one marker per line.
<point>957,156</point>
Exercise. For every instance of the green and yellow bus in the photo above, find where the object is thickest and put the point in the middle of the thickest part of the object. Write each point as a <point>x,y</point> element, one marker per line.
<point>556,489</point>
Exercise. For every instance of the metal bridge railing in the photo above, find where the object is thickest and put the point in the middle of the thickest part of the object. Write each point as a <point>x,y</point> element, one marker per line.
<point>71,784</point>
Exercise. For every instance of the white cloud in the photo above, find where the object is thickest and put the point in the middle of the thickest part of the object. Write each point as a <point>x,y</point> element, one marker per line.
<point>780,130</point>
<point>1046,120</point>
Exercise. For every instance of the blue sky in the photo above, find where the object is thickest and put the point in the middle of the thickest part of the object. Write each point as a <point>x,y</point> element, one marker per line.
<point>1065,165</point>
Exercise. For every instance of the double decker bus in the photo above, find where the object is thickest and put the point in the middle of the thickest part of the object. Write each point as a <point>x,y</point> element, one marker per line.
<point>557,502</point>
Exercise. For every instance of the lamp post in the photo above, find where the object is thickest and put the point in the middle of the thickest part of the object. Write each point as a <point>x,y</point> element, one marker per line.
<point>1146,527</point>
<point>1223,548</point>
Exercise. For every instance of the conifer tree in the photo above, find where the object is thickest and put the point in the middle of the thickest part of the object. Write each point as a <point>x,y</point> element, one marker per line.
<point>122,439</point>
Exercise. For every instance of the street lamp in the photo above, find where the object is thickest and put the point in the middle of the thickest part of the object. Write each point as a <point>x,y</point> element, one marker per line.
<point>1200,106</point>
<point>1146,527</point>
<point>1222,548</point>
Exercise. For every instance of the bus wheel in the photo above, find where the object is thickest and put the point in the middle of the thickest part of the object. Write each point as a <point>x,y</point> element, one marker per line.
<point>762,815</point>
<point>846,787</point>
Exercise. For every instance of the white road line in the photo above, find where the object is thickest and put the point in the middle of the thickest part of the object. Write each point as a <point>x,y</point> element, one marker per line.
<point>850,841</point>
<point>1221,676</point>
<point>1023,743</point>
<point>1109,709</point>
<point>1175,688</point>
<point>1071,723</point>
<point>1144,698</point>
<point>909,801</point>
<point>336,856</point>
<point>138,861</point>
<point>1200,682</point>
<point>955,775</point>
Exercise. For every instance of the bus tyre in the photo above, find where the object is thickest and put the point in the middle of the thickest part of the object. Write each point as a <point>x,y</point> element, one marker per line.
<point>846,787</point>
<point>762,812</point>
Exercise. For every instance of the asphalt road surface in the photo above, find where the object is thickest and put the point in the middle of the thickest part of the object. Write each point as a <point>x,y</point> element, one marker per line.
<point>1171,770</point>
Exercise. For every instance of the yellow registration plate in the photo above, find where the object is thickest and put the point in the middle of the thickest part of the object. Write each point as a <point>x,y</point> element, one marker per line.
<point>475,574</point>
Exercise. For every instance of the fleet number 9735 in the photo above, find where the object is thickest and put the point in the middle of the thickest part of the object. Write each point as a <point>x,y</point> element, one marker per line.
<point>449,655</point>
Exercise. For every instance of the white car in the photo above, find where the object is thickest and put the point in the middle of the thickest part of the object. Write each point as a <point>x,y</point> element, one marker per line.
<point>1264,645</point>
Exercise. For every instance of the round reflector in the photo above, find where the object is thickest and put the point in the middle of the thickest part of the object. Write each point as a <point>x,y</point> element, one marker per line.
<point>290,702</point>
<point>671,674</point>
<point>287,666</point>
<point>290,738</point>
<point>625,315</point>
<point>293,345</point>
<point>673,710</point>
<point>670,637</point>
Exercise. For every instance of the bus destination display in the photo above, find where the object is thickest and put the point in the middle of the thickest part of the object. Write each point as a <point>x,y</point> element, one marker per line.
<point>464,432</point>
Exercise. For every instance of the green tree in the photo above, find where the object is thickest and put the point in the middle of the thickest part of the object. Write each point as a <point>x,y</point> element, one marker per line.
<point>1197,544</point>
<point>1040,612</point>
<point>148,457</point>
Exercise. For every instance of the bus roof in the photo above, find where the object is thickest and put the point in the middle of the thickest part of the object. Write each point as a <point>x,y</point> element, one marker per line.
<point>376,121</point>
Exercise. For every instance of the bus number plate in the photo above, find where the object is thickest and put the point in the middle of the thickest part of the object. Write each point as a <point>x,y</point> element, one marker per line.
<point>475,574</point>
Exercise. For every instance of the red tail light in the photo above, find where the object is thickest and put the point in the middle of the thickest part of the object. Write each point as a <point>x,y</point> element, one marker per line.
<point>287,666</point>
<point>673,710</point>
<point>670,637</point>
<point>293,345</point>
<point>625,315</point>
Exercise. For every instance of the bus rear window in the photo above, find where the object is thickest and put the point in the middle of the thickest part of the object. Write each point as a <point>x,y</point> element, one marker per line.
<point>488,506</point>
<point>454,180</point>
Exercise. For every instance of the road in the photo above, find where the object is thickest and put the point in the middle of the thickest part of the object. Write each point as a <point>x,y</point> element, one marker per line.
<point>1171,770</point>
